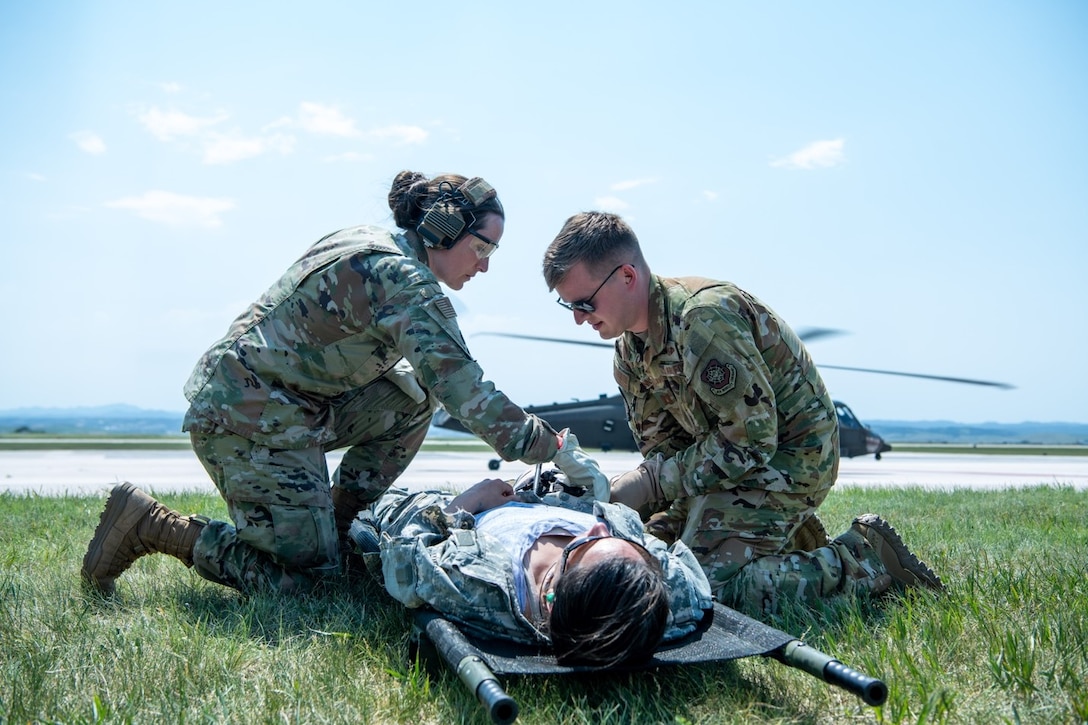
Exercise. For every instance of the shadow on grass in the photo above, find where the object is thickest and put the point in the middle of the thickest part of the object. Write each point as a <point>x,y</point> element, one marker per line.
<point>692,693</point>
<point>350,606</point>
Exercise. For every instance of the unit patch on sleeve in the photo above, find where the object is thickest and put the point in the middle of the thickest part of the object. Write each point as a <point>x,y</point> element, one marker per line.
<point>720,377</point>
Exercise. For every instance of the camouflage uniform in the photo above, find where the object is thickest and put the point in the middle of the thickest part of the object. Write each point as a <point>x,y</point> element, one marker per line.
<point>429,557</point>
<point>306,369</point>
<point>727,394</point>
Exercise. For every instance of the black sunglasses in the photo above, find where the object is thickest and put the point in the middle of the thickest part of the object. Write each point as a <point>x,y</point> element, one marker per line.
<point>586,305</point>
<point>548,593</point>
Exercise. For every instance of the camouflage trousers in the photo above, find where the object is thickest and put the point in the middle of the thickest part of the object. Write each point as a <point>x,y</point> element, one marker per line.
<point>282,535</point>
<point>760,549</point>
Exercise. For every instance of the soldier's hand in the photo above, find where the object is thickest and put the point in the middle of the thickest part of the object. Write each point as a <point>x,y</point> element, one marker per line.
<point>485,495</point>
<point>580,469</point>
<point>639,489</point>
<point>404,377</point>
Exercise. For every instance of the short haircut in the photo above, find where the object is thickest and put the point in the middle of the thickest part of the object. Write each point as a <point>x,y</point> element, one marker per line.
<point>598,239</point>
<point>612,613</point>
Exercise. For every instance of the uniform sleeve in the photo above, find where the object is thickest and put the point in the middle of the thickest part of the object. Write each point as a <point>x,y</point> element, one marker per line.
<point>410,526</point>
<point>421,323</point>
<point>431,558</point>
<point>730,395</point>
<point>689,589</point>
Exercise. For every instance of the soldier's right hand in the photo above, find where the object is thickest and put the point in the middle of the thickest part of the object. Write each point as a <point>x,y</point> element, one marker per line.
<point>639,489</point>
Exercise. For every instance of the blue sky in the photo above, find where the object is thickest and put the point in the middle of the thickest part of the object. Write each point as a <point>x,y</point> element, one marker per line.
<point>915,174</point>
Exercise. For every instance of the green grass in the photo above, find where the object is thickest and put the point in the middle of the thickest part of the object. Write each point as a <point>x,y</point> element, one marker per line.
<point>1007,644</point>
<point>106,441</point>
<point>1003,449</point>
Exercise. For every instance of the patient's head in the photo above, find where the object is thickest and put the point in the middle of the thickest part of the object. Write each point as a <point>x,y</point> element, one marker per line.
<point>608,603</point>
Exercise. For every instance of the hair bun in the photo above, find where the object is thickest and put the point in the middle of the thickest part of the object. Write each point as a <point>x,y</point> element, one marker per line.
<point>407,188</point>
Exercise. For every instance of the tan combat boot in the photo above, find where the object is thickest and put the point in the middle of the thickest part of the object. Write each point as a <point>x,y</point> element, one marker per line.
<point>134,524</point>
<point>876,545</point>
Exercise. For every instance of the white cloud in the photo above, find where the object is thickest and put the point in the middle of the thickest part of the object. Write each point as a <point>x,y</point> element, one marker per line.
<point>281,122</point>
<point>319,119</point>
<point>228,147</point>
<point>224,149</point>
<point>166,125</point>
<point>89,142</point>
<point>400,134</point>
<point>35,176</point>
<point>611,203</point>
<point>217,147</point>
<point>170,87</point>
<point>175,209</point>
<point>710,196</point>
<point>350,156</point>
<point>632,183</point>
<point>818,154</point>
<point>328,120</point>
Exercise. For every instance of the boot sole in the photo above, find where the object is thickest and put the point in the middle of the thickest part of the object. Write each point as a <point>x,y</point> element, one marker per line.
<point>115,521</point>
<point>901,563</point>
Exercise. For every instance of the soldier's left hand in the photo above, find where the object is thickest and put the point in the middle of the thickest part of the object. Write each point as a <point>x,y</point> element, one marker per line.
<point>404,377</point>
<point>580,469</point>
<point>485,495</point>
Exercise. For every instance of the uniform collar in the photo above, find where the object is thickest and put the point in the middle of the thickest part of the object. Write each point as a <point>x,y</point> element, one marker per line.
<point>653,340</point>
<point>658,325</point>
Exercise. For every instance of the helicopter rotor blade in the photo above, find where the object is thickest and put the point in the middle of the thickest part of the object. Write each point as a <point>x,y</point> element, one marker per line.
<point>945,378</point>
<point>560,340</point>
<point>809,334</point>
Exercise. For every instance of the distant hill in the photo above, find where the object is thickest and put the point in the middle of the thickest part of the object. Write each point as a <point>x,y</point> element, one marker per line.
<point>131,420</point>
<point>96,420</point>
<point>944,431</point>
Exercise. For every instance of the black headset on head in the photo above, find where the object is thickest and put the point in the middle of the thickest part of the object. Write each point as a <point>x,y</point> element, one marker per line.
<point>451,213</point>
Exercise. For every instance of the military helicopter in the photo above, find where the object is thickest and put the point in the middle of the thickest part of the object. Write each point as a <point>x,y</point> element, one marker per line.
<point>856,438</point>
<point>602,423</point>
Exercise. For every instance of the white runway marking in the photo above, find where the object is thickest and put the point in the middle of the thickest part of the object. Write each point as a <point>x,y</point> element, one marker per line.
<point>54,473</point>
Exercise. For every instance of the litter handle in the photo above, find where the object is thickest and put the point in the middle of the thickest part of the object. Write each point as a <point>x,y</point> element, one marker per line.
<point>463,659</point>
<point>798,654</point>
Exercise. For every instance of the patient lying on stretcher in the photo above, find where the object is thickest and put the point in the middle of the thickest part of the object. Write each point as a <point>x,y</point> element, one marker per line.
<point>537,561</point>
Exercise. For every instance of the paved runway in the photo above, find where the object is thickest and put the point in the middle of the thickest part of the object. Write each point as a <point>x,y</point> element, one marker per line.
<point>55,473</point>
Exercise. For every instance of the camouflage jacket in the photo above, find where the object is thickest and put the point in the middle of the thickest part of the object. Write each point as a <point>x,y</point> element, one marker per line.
<point>350,308</point>
<point>431,558</point>
<point>725,391</point>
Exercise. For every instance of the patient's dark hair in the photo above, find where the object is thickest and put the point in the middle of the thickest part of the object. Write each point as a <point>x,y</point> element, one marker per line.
<point>612,613</point>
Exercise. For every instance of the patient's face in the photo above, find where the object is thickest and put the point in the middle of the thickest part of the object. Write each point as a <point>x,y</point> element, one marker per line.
<point>594,547</point>
<point>601,549</point>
